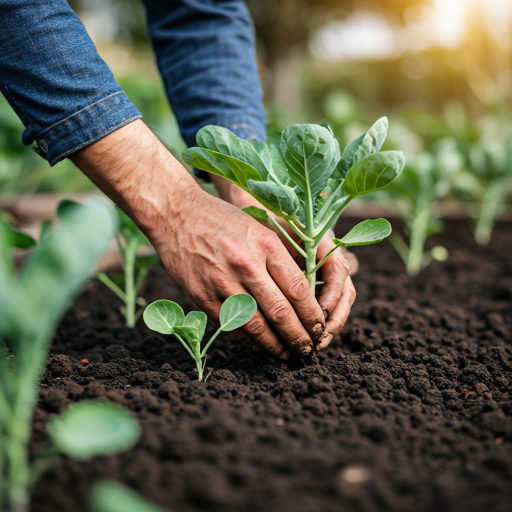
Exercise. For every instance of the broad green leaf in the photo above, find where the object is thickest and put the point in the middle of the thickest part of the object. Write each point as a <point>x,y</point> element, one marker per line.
<point>280,197</point>
<point>226,166</point>
<point>224,141</point>
<point>366,233</point>
<point>273,136</point>
<point>163,316</point>
<point>256,213</point>
<point>280,172</point>
<point>236,311</point>
<point>308,150</point>
<point>372,173</point>
<point>112,497</point>
<point>89,429</point>
<point>66,206</point>
<point>365,145</point>
<point>16,238</point>
<point>193,328</point>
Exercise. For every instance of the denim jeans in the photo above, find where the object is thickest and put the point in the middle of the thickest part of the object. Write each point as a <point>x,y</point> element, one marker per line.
<point>67,97</point>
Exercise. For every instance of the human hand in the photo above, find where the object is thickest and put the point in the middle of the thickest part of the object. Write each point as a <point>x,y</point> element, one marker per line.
<point>338,292</point>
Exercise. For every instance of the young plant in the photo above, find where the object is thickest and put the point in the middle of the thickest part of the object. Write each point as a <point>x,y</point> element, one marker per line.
<point>167,317</point>
<point>127,285</point>
<point>487,187</point>
<point>416,199</point>
<point>301,176</point>
<point>31,303</point>
<point>112,497</point>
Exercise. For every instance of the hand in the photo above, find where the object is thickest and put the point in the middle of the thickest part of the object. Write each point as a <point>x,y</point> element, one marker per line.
<point>338,293</point>
<point>210,248</point>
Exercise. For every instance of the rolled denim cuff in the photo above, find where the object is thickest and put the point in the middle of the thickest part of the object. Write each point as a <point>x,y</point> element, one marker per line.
<point>86,126</point>
<point>243,130</point>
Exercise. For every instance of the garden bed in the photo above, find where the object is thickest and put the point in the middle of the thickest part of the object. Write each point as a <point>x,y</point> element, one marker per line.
<point>409,410</point>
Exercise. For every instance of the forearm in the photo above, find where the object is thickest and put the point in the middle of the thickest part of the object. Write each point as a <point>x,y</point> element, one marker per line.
<point>140,175</point>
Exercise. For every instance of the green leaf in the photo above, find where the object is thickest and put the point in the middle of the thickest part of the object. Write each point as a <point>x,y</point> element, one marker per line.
<point>193,328</point>
<point>163,315</point>
<point>111,497</point>
<point>226,166</point>
<point>256,213</point>
<point>309,150</point>
<point>16,238</point>
<point>279,172</point>
<point>372,173</point>
<point>65,207</point>
<point>365,145</point>
<point>280,197</point>
<point>130,230</point>
<point>439,253</point>
<point>273,136</point>
<point>366,233</point>
<point>46,227</point>
<point>222,140</point>
<point>89,429</point>
<point>236,311</point>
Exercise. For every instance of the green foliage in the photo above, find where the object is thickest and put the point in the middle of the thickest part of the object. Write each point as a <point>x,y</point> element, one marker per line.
<point>15,237</point>
<point>126,286</point>
<point>366,233</point>
<point>31,303</point>
<point>89,429</point>
<point>167,317</point>
<point>486,187</point>
<point>416,198</point>
<point>300,175</point>
<point>112,497</point>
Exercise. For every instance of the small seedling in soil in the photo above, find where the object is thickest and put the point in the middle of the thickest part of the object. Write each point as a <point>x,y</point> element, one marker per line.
<point>167,317</point>
<point>416,199</point>
<point>112,497</point>
<point>487,187</point>
<point>301,176</point>
<point>32,302</point>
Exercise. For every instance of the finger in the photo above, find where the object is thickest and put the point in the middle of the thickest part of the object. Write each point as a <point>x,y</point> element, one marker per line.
<point>335,271</point>
<point>295,287</point>
<point>280,314</point>
<point>257,329</point>
<point>339,316</point>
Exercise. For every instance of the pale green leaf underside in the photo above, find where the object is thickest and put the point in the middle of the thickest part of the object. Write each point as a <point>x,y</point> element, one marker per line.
<point>281,197</point>
<point>89,429</point>
<point>236,311</point>
<point>163,315</point>
<point>367,232</point>
<point>256,213</point>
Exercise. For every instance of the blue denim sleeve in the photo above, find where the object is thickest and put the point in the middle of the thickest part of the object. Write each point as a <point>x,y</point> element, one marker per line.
<point>54,79</point>
<point>205,52</point>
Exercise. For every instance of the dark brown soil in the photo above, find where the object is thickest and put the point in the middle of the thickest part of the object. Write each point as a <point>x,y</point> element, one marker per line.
<point>410,410</point>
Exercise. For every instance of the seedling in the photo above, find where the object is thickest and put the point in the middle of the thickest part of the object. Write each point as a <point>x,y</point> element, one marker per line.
<point>301,176</point>
<point>31,303</point>
<point>127,285</point>
<point>112,497</point>
<point>167,317</point>
<point>487,187</point>
<point>416,199</point>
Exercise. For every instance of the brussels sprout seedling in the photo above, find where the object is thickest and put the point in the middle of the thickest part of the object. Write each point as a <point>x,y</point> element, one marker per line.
<point>488,186</point>
<point>112,497</point>
<point>167,317</point>
<point>301,176</point>
<point>31,303</point>
<point>415,198</point>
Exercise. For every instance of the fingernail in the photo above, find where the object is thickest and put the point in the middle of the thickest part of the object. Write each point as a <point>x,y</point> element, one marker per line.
<point>324,340</point>
<point>304,351</point>
<point>284,355</point>
<point>317,330</point>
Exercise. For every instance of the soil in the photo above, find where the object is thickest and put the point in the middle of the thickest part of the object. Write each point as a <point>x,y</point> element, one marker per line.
<point>410,409</point>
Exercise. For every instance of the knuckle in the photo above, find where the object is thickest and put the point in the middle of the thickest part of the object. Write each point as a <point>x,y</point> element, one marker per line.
<point>219,280</point>
<point>299,288</point>
<point>279,311</point>
<point>256,326</point>
<point>268,240</point>
<point>243,265</point>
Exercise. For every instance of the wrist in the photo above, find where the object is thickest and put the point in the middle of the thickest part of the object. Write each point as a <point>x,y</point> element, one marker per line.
<point>140,175</point>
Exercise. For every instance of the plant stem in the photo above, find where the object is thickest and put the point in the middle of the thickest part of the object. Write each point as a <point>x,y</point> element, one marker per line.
<point>488,211</point>
<point>129,275</point>
<point>311,265</point>
<point>418,230</point>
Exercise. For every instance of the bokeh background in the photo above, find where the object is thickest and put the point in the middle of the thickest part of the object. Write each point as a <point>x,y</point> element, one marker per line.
<point>436,68</point>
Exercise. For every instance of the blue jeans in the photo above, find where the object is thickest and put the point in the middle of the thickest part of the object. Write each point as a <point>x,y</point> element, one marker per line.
<point>67,98</point>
